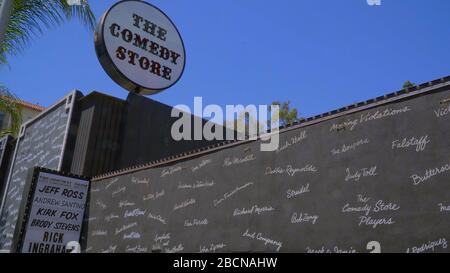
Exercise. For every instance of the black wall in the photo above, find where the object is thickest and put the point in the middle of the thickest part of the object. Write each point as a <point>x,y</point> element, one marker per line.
<point>355,182</point>
<point>115,134</point>
<point>86,135</point>
<point>97,144</point>
<point>6,146</point>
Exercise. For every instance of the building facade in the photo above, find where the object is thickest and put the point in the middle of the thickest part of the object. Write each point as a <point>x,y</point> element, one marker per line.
<point>28,111</point>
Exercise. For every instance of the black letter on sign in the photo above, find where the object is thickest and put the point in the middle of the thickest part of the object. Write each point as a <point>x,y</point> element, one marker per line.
<point>174,56</point>
<point>120,53</point>
<point>162,33</point>
<point>166,73</point>
<point>113,28</point>
<point>154,48</point>
<point>144,63</point>
<point>133,56</point>
<point>139,42</point>
<point>137,19</point>
<point>127,35</point>
<point>164,53</point>
<point>156,68</point>
<point>149,27</point>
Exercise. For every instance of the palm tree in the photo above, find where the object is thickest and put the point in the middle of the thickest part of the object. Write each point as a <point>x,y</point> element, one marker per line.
<point>10,108</point>
<point>31,17</point>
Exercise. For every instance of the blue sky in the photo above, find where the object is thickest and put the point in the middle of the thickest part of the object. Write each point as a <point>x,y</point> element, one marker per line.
<point>320,54</point>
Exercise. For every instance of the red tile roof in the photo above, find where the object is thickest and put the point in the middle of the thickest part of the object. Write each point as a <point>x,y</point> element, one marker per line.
<point>28,104</point>
<point>31,106</point>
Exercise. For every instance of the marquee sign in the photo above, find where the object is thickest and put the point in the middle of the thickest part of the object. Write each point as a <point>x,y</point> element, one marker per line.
<point>54,212</point>
<point>139,47</point>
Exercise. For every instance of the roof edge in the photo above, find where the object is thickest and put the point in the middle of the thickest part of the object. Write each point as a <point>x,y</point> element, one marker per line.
<point>416,90</point>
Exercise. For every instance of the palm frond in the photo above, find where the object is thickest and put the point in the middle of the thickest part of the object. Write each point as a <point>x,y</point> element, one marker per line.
<point>30,17</point>
<point>10,106</point>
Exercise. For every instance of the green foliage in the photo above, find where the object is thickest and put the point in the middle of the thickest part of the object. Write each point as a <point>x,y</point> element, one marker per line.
<point>287,115</point>
<point>30,17</point>
<point>9,105</point>
<point>408,84</point>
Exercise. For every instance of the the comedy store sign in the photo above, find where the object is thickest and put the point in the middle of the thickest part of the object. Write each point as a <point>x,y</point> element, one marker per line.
<point>139,47</point>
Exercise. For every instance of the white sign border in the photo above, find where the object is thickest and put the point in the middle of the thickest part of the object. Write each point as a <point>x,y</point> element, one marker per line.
<point>24,214</point>
<point>112,70</point>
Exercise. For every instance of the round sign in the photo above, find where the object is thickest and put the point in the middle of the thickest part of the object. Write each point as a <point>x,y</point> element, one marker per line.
<point>139,47</point>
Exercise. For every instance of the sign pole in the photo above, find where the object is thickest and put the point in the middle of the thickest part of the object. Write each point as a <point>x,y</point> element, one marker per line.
<point>5,16</point>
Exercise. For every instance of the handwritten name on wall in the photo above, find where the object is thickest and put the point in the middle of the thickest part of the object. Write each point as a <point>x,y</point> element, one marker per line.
<point>328,188</point>
<point>41,145</point>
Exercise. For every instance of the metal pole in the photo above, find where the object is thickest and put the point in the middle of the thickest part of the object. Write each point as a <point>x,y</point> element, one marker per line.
<point>5,16</point>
